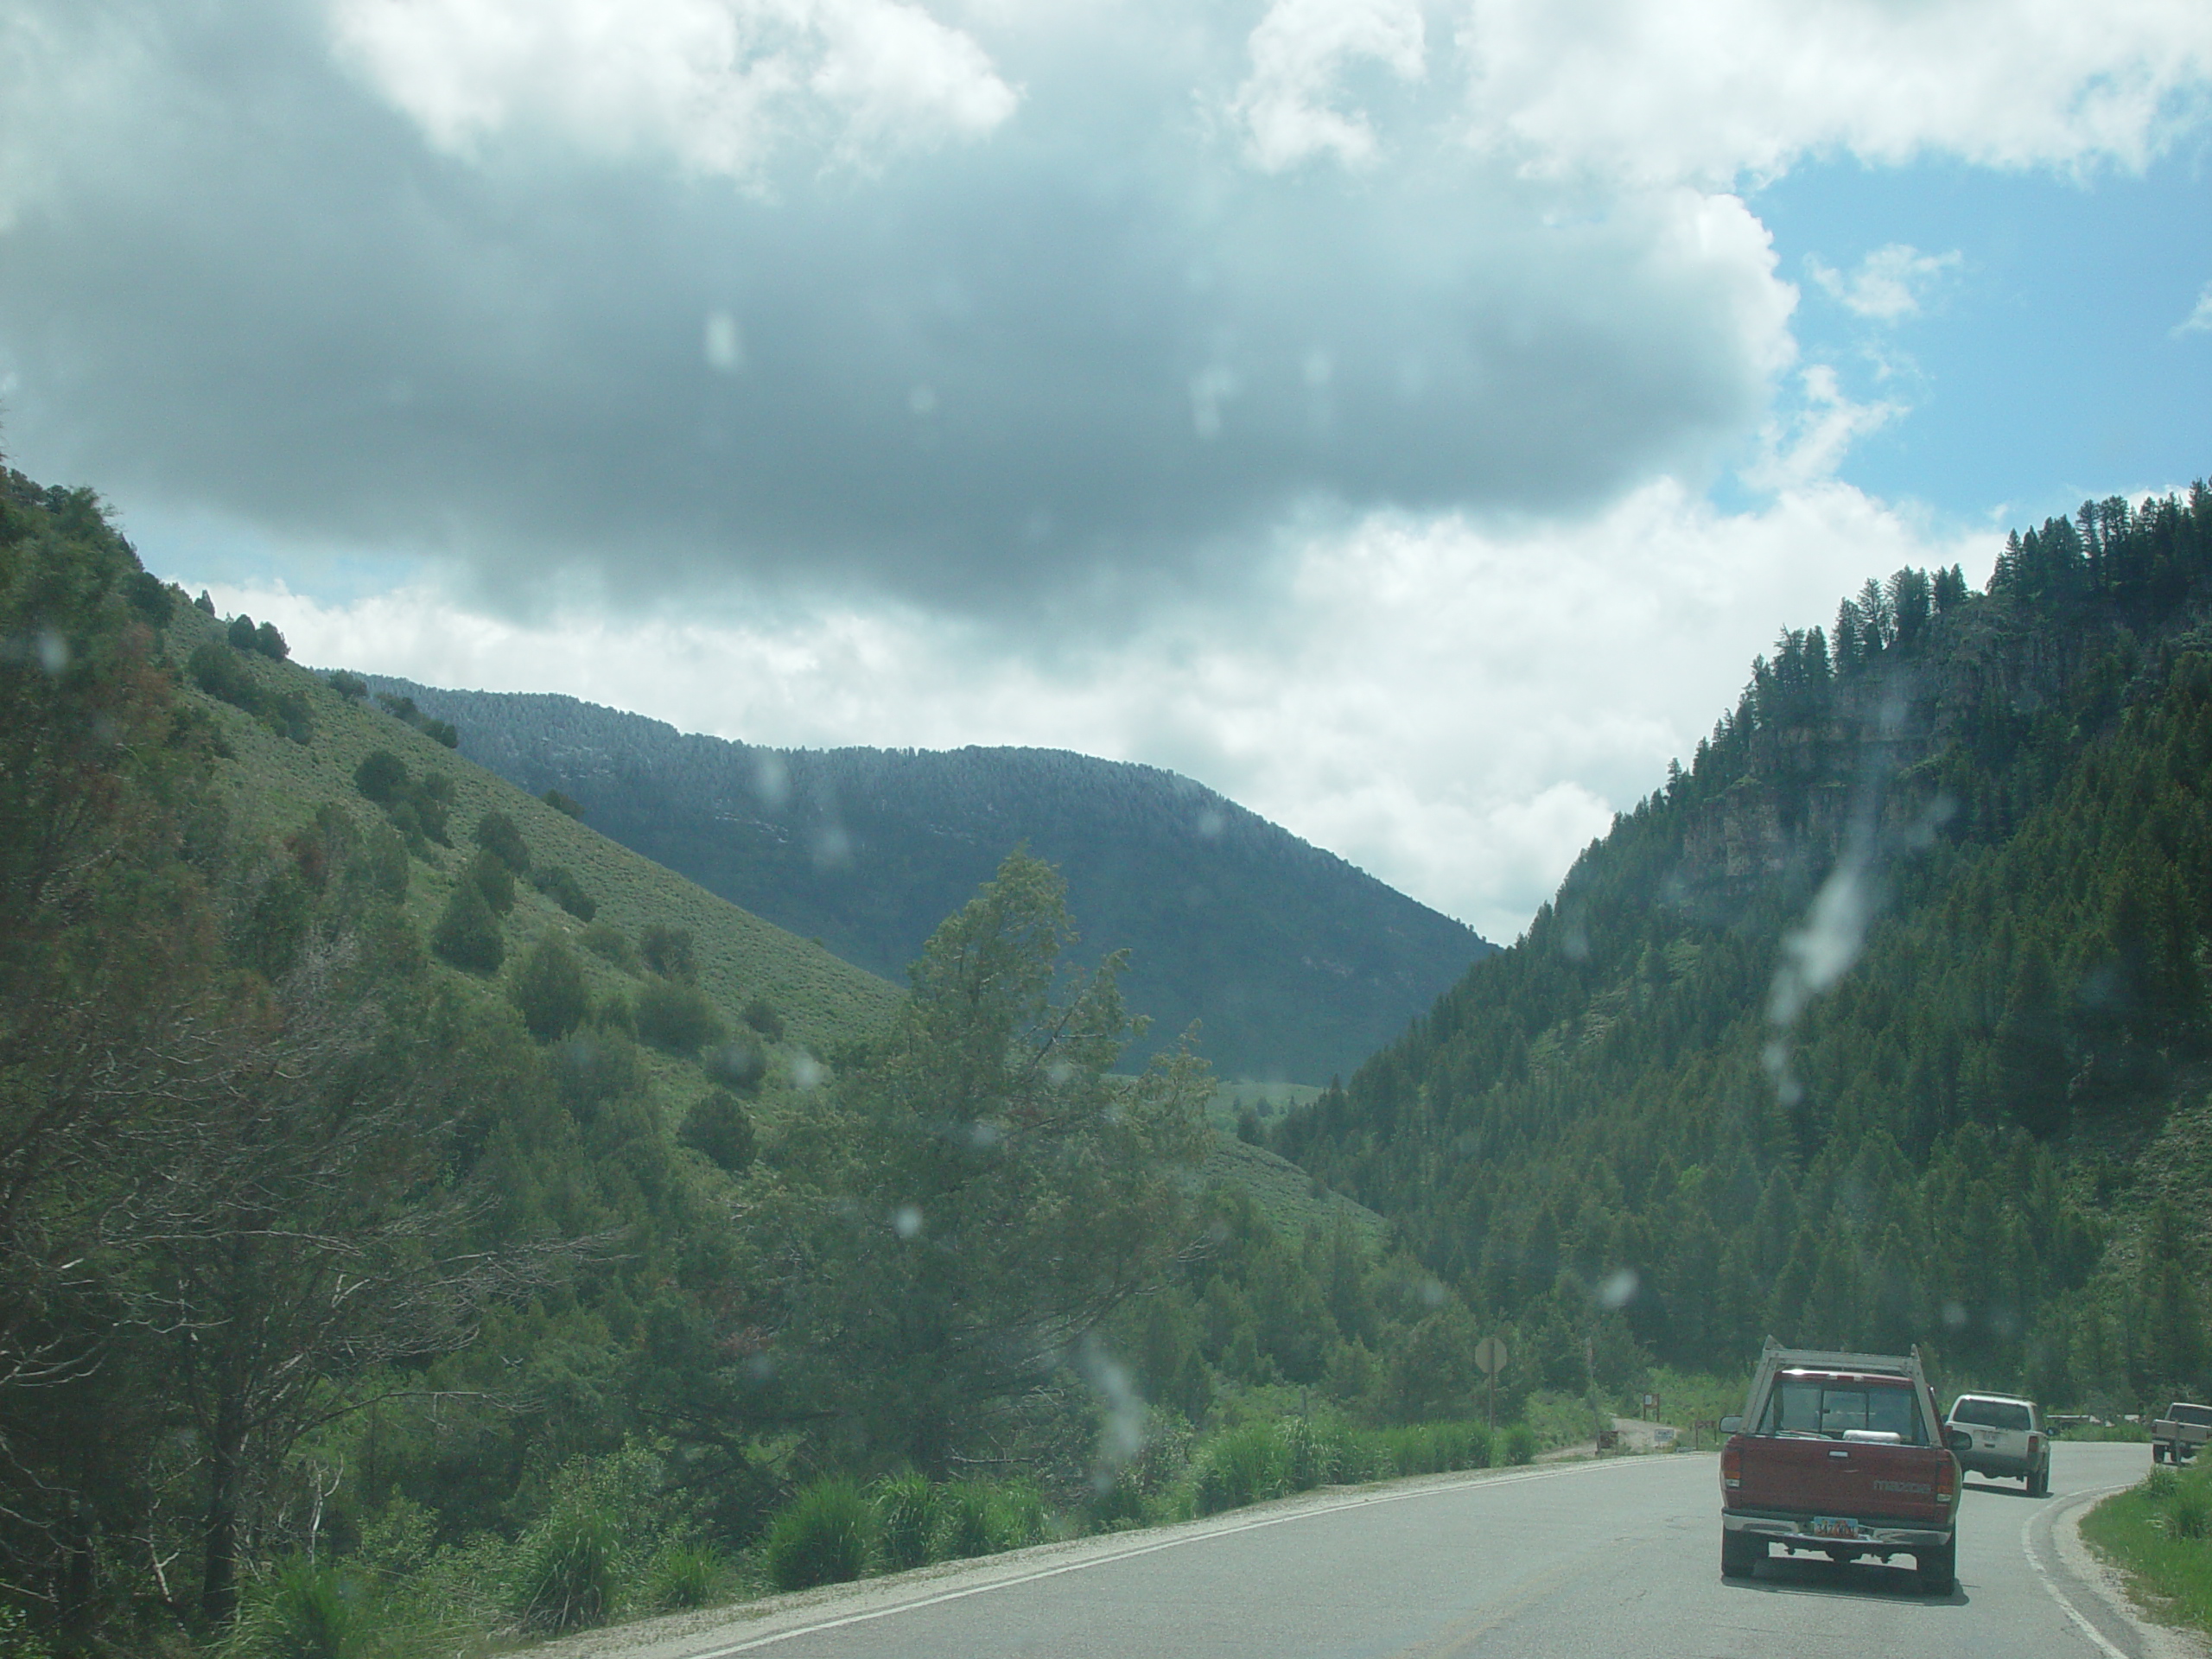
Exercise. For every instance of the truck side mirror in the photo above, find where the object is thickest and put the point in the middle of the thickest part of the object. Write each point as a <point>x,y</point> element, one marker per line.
<point>1957,1440</point>
<point>1731,1425</point>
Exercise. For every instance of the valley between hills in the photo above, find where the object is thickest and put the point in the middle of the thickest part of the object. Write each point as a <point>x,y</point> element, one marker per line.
<point>480,1167</point>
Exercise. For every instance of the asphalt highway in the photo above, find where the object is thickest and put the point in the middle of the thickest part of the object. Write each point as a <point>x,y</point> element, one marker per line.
<point>1620,1558</point>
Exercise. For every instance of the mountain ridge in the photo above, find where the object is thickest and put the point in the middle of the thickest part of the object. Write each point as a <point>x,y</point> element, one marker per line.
<point>1295,964</point>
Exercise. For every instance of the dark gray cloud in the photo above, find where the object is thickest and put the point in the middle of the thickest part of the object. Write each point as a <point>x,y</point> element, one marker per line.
<point>1093,347</point>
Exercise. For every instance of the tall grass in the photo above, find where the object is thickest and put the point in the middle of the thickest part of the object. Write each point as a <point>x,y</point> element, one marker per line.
<point>304,1611</point>
<point>982,1517</point>
<point>2160,1532</point>
<point>568,1577</point>
<point>908,1512</point>
<point>824,1537</point>
<point>685,1576</point>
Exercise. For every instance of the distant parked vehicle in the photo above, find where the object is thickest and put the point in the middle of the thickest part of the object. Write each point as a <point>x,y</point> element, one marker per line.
<point>2005,1437</point>
<point>1843,1454</point>
<point>2177,1436</point>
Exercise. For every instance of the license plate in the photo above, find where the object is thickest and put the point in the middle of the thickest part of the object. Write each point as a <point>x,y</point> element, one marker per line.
<point>1987,1441</point>
<point>1832,1526</point>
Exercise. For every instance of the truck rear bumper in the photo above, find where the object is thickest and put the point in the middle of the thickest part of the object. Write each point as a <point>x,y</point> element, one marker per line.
<point>1796,1532</point>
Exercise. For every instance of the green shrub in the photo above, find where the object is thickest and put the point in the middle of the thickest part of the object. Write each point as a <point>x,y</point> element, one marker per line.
<point>558,883</point>
<point>822,1538</point>
<point>668,951</point>
<point>719,1127</point>
<point>306,1610</point>
<point>468,934</point>
<point>549,989</point>
<point>738,1066</point>
<point>608,943</point>
<point>906,1518</point>
<point>219,673</point>
<point>593,1066</point>
<point>1116,1501</point>
<point>491,877</point>
<point>562,802</point>
<point>762,1015</point>
<point>148,595</point>
<point>674,1015</point>
<point>347,684</point>
<point>497,835</point>
<point>269,643</point>
<point>685,1576</point>
<point>289,715</point>
<point>382,777</point>
<point>1519,1444</point>
<point>239,634</point>
<point>567,1578</point>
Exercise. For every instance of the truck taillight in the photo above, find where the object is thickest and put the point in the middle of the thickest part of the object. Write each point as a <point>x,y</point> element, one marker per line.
<point>1946,1481</point>
<point>2034,1444</point>
<point>1731,1467</point>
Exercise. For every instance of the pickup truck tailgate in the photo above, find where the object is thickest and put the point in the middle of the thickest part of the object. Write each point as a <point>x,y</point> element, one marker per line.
<point>1817,1476</point>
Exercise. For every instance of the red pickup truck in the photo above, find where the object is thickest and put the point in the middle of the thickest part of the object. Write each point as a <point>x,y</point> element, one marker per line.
<point>1842,1454</point>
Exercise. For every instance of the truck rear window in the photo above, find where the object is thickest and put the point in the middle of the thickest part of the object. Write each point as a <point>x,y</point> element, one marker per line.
<point>2201,1415</point>
<point>1992,1414</point>
<point>1833,1409</point>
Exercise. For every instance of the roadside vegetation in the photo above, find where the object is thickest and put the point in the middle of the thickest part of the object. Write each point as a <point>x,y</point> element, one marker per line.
<point>422,1217</point>
<point>2160,1532</point>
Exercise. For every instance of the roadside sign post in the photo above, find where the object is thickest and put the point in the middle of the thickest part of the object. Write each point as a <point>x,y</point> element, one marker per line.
<point>1490,1354</point>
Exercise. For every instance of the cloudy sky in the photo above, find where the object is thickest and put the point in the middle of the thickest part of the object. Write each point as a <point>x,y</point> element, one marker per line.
<point>1407,419</point>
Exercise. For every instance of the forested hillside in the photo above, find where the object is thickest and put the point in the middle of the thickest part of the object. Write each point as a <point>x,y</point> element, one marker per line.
<point>425,1223</point>
<point>1882,1022</point>
<point>1296,965</point>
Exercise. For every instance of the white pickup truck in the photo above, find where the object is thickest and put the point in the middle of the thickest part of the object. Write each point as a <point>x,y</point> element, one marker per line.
<point>2181,1433</point>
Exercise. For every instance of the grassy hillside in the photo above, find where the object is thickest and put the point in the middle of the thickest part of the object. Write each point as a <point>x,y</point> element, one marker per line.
<point>276,784</point>
<point>1290,1199</point>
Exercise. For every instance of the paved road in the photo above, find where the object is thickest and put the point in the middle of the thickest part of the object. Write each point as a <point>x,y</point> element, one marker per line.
<point>1619,1558</point>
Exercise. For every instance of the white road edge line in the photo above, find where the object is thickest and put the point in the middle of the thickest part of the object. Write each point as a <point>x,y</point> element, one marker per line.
<point>2050,1584</point>
<point>1252,1525</point>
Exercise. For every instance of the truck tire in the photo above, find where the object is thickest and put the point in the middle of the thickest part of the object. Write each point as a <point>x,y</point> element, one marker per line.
<point>2039,1482</point>
<point>1739,1555</point>
<point>1939,1573</point>
<point>2157,1450</point>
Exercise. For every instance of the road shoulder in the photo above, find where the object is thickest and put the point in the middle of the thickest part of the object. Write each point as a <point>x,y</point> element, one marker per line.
<point>2094,1592</point>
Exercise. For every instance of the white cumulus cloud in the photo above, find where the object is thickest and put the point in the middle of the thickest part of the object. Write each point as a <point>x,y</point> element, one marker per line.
<point>2198,322</point>
<point>1289,105</point>
<point>1889,283</point>
<point>717,85</point>
<point>1716,90</point>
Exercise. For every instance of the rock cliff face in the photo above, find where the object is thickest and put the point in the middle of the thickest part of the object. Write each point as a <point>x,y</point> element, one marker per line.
<point>1868,765</point>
